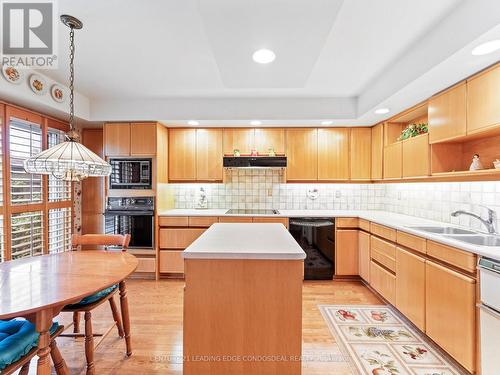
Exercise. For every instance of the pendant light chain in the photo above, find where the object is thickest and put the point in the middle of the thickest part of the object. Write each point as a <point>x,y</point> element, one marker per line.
<point>71,78</point>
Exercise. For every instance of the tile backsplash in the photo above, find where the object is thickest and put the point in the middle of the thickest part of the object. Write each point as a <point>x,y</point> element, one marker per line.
<point>262,188</point>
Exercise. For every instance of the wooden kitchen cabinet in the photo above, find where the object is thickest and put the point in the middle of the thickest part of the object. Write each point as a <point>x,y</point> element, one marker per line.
<point>175,238</point>
<point>451,313</point>
<point>270,138</point>
<point>393,160</point>
<point>383,282</point>
<point>364,255</point>
<point>209,154</point>
<point>447,114</point>
<point>347,252</point>
<point>333,154</point>
<point>302,154</point>
<point>182,154</point>
<point>239,139</point>
<point>416,156</point>
<point>410,286</point>
<point>360,153</point>
<point>377,148</point>
<point>117,139</point>
<point>483,91</point>
<point>142,139</point>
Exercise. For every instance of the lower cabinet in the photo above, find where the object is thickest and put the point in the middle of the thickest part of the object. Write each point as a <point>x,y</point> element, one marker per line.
<point>383,282</point>
<point>410,286</point>
<point>171,261</point>
<point>364,255</point>
<point>346,252</point>
<point>451,313</point>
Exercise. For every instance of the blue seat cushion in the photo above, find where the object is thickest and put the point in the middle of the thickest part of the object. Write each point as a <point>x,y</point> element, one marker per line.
<point>17,338</point>
<point>93,297</point>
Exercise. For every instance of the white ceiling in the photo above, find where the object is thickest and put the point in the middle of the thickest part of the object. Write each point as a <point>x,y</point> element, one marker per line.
<point>174,60</point>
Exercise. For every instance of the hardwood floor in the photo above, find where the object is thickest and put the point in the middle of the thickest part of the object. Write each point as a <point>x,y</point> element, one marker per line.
<point>156,320</point>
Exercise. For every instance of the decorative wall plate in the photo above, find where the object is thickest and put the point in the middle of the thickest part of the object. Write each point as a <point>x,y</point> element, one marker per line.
<point>12,75</point>
<point>58,94</point>
<point>38,84</point>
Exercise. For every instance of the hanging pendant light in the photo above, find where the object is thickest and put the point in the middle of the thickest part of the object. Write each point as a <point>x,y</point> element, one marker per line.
<point>70,160</point>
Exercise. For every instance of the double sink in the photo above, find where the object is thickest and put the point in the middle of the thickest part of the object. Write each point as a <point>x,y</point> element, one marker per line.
<point>464,235</point>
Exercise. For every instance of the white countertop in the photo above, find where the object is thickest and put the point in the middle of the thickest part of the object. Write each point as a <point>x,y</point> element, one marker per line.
<point>389,219</point>
<point>245,241</point>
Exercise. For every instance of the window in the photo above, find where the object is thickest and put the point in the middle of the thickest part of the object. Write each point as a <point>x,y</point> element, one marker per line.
<point>58,190</point>
<point>40,207</point>
<point>27,234</point>
<point>25,140</point>
<point>59,230</point>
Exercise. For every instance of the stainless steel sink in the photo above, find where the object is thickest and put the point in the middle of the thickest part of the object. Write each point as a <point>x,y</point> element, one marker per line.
<point>485,240</point>
<point>443,230</point>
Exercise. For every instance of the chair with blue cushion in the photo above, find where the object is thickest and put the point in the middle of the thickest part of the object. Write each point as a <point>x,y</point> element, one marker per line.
<point>19,344</point>
<point>89,303</point>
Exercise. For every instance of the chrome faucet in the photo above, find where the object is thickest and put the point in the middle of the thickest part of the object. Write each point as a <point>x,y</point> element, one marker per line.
<point>490,224</point>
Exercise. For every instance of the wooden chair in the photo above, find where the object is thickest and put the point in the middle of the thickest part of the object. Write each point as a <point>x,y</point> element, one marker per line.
<point>24,363</point>
<point>89,303</point>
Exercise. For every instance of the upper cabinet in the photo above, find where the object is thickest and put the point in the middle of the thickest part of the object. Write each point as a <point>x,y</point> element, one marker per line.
<point>271,138</point>
<point>238,139</point>
<point>333,154</point>
<point>195,155</point>
<point>416,156</point>
<point>130,139</point>
<point>209,154</point>
<point>393,163</point>
<point>483,97</point>
<point>360,151</point>
<point>246,140</point>
<point>302,154</point>
<point>182,154</point>
<point>447,114</point>
<point>377,147</point>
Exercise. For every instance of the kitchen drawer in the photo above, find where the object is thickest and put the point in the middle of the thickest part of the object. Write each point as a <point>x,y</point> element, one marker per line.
<point>347,222</point>
<point>383,282</point>
<point>146,265</point>
<point>412,242</point>
<point>202,221</point>
<point>364,224</point>
<point>383,231</point>
<point>173,221</point>
<point>171,261</point>
<point>178,238</point>
<point>455,257</point>
<point>280,220</point>
<point>383,252</point>
<point>235,219</point>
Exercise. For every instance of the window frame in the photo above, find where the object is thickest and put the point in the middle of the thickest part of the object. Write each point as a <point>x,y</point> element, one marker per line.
<point>6,207</point>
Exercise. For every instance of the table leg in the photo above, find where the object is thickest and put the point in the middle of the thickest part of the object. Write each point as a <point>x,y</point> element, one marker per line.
<point>125,316</point>
<point>43,322</point>
<point>59,363</point>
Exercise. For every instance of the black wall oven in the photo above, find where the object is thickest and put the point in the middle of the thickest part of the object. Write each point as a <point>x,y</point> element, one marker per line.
<point>130,173</point>
<point>134,216</point>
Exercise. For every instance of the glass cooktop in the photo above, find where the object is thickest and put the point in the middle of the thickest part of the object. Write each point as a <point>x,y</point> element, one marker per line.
<point>251,211</point>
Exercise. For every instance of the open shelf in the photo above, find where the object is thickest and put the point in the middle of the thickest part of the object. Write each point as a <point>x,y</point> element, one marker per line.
<point>394,126</point>
<point>455,157</point>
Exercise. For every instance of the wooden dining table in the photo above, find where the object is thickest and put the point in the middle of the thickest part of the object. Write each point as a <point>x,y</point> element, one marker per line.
<point>37,288</point>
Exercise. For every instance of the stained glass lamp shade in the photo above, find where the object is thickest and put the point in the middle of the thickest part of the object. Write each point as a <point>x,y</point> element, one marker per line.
<point>69,161</point>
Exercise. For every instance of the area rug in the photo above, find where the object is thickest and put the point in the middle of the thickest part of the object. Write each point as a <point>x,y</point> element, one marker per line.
<point>378,341</point>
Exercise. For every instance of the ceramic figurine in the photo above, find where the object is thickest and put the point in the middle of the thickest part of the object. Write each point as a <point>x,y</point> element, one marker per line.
<point>476,163</point>
<point>271,152</point>
<point>202,201</point>
<point>236,152</point>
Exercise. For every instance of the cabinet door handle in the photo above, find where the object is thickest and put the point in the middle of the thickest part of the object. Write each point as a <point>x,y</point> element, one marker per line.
<point>489,310</point>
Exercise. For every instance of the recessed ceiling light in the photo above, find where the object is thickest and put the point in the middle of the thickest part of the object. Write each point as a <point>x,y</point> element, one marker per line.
<point>486,48</point>
<point>382,111</point>
<point>193,122</point>
<point>326,122</point>
<point>255,122</point>
<point>263,56</point>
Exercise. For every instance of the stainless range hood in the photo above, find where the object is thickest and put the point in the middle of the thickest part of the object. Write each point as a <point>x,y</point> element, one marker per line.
<point>254,162</point>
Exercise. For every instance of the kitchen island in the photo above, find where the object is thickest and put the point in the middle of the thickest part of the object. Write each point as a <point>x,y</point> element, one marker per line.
<point>243,301</point>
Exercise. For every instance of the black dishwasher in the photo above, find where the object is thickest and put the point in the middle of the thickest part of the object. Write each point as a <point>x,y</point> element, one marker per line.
<point>316,236</point>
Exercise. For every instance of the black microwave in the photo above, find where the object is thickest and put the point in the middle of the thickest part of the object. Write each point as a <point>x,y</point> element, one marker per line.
<point>130,174</point>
